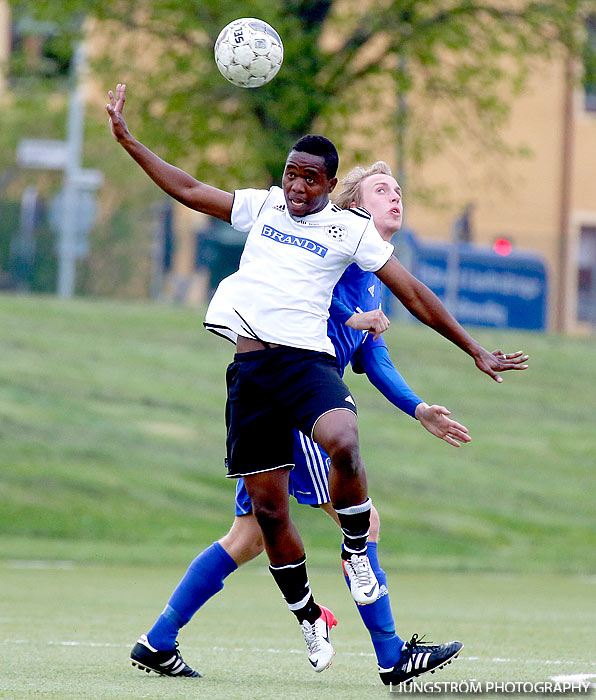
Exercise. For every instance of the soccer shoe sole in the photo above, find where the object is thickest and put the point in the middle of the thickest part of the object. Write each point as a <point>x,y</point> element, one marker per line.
<point>149,669</point>
<point>330,663</point>
<point>324,668</point>
<point>141,667</point>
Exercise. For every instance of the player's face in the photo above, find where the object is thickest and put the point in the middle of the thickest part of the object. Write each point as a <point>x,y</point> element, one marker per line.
<point>305,183</point>
<point>381,196</point>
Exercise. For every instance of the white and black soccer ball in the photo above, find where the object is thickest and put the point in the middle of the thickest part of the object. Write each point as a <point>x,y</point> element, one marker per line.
<point>248,52</point>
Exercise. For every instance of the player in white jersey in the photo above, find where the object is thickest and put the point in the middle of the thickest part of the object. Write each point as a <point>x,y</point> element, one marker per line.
<point>283,375</point>
<point>356,304</point>
<point>272,298</point>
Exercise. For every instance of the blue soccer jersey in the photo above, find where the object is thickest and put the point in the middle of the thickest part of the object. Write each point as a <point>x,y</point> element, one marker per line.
<point>357,291</point>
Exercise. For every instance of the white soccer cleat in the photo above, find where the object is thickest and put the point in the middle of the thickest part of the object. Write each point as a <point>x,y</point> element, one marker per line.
<point>363,582</point>
<point>316,636</point>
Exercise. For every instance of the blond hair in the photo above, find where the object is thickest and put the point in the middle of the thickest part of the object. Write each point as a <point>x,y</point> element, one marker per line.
<point>350,185</point>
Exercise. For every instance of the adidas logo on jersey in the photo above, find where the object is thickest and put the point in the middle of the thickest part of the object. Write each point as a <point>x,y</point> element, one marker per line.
<point>349,399</point>
<point>371,290</point>
<point>279,207</point>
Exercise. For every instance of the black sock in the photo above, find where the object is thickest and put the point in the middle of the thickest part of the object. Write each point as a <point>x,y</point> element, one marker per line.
<point>292,581</point>
<point>355,524</point>
<point>310,612</point>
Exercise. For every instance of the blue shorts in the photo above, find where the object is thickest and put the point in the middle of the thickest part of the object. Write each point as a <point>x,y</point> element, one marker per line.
<point>309,479</point>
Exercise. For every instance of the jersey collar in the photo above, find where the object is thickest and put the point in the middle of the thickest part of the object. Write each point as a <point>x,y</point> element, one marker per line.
<point>311,218</point>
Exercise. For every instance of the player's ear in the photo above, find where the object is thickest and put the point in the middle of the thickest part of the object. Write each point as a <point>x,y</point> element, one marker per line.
<point>353,204</point>
<point>332,184</point>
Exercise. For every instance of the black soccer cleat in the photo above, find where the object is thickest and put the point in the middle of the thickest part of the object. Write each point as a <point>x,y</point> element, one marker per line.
<point>417,659</point>
<point>166,663</point>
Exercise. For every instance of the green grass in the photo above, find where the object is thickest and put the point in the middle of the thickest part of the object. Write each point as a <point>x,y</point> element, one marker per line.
<point>66,633</point>
<point>111,427</point>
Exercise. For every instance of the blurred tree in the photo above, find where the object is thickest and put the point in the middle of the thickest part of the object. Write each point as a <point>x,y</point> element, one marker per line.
<point>589,57</point>
<point>469,56</point>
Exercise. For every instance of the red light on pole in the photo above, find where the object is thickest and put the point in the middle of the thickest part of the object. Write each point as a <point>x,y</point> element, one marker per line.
<point>502,246</point>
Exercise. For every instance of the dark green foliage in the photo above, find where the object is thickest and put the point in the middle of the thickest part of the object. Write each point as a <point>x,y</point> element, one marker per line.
<point>589,55</point>
<point>45,267</point>
<point>9,221</point>
<point>466,55</point>
<point>42,277</point>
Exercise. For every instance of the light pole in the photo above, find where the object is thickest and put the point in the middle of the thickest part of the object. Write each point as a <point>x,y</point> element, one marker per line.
<point>67,234</point>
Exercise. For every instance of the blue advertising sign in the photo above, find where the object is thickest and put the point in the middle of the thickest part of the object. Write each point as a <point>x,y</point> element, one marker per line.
<point>502,291</point>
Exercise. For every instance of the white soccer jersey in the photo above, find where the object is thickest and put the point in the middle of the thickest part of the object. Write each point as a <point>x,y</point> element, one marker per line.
<point>288,269</point>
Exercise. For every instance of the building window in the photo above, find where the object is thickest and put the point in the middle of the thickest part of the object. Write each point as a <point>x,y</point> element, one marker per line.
<point>589,79</point>
<point>586,275</point>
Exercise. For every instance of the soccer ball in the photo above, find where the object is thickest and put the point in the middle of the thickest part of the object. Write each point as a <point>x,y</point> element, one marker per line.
<point>248,52</point>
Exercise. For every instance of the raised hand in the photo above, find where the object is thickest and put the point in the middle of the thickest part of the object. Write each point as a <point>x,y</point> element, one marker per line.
<point>117,123</point>
<point>173,181</point>
<point>497,361</point>
<point>434,419</point>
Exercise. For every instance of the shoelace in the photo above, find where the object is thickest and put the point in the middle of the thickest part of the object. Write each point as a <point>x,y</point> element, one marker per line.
<point>362,569</point>
<point>311,638</point>
<point>416,642</point>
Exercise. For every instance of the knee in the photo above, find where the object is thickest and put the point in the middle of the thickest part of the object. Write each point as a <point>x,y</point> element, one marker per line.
<point>344,450</point>
<point>270,516</point>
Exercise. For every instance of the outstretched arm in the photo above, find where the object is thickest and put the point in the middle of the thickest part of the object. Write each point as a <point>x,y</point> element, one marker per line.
<point>373,359</point>
<point>176,182</point>
<point>435,419</point>
<point>426,307</point>
<point>381,372</point>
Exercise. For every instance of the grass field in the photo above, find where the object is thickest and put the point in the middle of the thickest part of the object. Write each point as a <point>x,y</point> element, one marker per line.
<point>67,632</point>
<point>111,426</point>
<point>111,480</point>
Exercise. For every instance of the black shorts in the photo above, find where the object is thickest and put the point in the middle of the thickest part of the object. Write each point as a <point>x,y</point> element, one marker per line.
<point>271,392</point>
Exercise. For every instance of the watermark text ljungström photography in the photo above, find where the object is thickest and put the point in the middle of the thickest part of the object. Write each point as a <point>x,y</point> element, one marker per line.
<point>575,687</point>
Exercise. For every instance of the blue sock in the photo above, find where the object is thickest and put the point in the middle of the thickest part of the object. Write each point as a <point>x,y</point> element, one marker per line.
<point>202,580</point>
<point>378,617</point>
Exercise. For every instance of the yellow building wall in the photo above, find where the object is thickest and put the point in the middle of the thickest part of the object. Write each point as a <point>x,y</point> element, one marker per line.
<point>520,197</point>
<point>584,180</point>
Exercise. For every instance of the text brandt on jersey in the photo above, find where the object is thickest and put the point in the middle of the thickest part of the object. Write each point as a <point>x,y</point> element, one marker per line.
<point>288,239</point>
